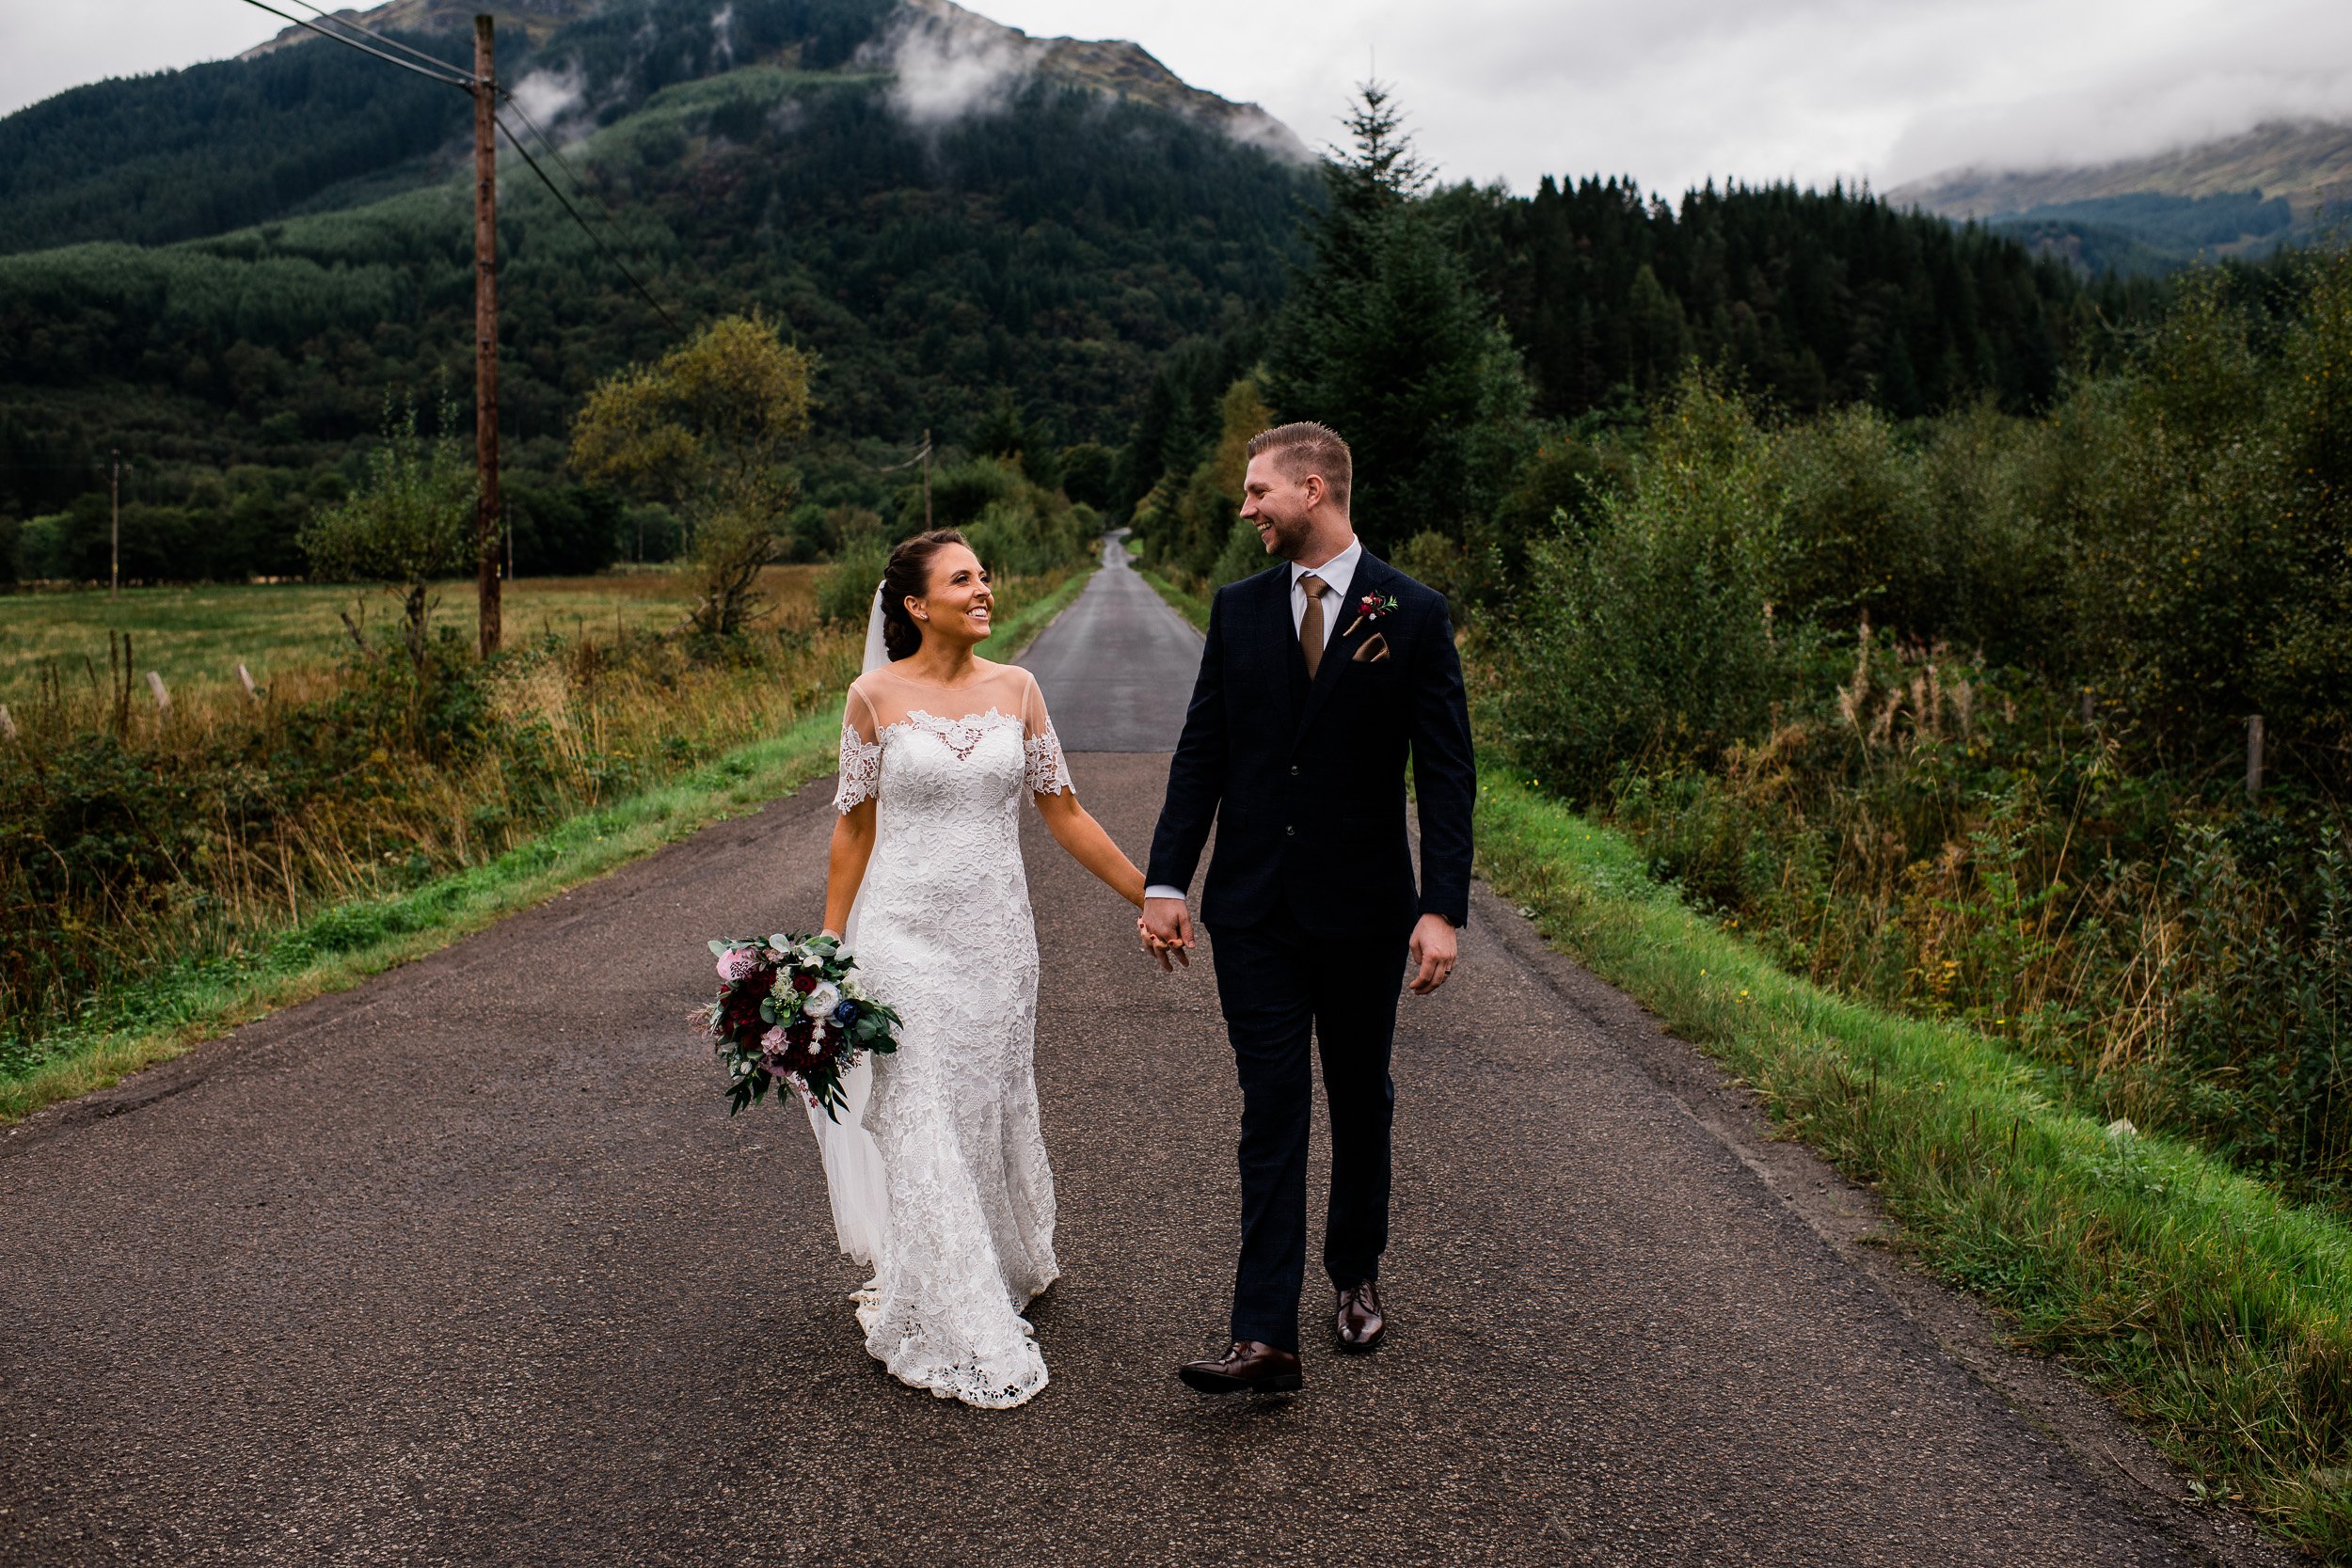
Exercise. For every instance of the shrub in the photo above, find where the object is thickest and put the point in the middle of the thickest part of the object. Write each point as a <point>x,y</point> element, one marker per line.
<point>845,597</point>
<point>1650,638</point>
<point>411,520</point>
<point>707,429</point>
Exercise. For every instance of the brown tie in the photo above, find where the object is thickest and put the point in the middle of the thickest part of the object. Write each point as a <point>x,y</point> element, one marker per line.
<point>1310,624</point>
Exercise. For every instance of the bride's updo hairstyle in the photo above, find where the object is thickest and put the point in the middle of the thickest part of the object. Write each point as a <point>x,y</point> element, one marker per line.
<point>909,576</point>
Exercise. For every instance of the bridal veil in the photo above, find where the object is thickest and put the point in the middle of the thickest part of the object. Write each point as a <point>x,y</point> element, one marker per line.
<point>853,1162</point>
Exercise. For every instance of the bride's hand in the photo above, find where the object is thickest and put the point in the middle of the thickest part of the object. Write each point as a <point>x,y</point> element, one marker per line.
<point>1162,950</point>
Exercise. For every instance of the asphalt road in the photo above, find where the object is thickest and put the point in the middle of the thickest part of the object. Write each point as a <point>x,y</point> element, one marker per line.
<point>1116,667</point>
<point>469,1266</point>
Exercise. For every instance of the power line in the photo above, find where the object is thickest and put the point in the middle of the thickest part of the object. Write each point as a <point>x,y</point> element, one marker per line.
<point>472,84</point>
<point>546,142</point>
<point>455,81</point>
<point>603,209</point>
<point>350,26</point>
<point>593,238</point>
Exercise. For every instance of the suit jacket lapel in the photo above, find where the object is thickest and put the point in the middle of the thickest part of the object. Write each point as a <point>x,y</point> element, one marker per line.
<point>1372,576</point>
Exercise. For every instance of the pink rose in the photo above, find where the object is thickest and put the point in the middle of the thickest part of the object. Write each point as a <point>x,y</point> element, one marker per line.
<point>772,1041</point>
<point>736,962</point>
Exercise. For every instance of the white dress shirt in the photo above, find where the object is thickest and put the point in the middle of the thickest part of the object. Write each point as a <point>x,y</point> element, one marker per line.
<point>1336,573</point>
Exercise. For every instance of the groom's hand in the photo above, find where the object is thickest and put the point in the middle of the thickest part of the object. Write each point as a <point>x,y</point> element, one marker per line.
<point>1432,951</point>
<point>1167,930</point>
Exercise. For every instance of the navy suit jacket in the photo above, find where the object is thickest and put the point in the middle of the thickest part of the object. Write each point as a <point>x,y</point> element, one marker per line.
<point>1305,780</point>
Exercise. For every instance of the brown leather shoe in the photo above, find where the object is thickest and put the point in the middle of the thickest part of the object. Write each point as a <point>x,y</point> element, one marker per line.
<point>1248,1367</point>
<point>1357,1319</point>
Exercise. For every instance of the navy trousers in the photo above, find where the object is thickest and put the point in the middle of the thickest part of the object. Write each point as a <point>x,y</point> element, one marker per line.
<point>1279,987</point>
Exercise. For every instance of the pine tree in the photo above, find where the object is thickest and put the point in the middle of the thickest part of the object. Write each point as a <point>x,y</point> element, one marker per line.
<point>1387,339</point>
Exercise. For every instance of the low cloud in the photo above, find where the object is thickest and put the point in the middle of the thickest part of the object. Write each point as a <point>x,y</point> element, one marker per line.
<point>1671,92</point>
<point>951,64</point>
<point>2176,93</point>
<point>1679,91</point>
<point>548,97</point>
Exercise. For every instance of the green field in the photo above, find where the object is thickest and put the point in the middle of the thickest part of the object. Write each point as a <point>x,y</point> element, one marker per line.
<point>195,636</point>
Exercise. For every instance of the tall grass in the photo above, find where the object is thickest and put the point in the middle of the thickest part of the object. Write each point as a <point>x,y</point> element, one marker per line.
<point>2218,1313</point>
<point>1953,716</point>
<point>1959,847</point>
<point>135,843</point>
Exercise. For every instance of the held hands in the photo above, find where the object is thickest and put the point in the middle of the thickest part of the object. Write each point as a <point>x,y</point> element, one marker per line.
<point>1165,929</point>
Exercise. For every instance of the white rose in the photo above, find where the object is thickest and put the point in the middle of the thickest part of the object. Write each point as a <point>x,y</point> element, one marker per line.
<point>821,1001</point>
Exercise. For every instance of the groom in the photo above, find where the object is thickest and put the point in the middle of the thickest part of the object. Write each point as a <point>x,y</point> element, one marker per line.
<point>1319,679</point>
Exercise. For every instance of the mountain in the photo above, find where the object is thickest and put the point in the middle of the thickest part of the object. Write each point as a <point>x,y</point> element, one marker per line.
<point>2240,195</point>
<point>535,19</point>
<point>960,41</point>
<point>949,213</point>
<point>314,127</point>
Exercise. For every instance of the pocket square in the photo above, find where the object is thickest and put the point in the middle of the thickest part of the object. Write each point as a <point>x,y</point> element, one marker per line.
<point>1372,650</point>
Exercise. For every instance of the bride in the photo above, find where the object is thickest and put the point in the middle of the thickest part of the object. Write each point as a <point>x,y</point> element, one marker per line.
<point>937,1166</point>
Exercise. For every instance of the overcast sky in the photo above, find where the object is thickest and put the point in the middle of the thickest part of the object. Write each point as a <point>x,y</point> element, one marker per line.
<point>1670,91</point>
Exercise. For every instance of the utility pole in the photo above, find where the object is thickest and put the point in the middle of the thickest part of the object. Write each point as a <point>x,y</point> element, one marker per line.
<point>114,492</point>
<point>485,333</point>
<point>926,479</point>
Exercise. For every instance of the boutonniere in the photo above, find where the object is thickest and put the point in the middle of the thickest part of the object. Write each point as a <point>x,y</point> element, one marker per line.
<point>1372,606</point>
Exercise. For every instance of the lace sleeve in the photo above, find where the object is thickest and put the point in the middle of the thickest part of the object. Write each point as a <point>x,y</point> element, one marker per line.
<point>1045,772</point>
<point>861,771</point>
<point>861,761</point>
<point>1043,768</point>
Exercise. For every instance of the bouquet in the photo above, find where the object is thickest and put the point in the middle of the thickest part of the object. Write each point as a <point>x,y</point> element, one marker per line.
<point>792,1007</point>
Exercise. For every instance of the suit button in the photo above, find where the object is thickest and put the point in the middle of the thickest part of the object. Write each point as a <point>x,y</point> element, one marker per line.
<point>1293,770</point>
<point>1289,832</point>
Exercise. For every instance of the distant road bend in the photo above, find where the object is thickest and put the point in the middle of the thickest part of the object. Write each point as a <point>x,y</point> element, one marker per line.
<point>468,1266</point>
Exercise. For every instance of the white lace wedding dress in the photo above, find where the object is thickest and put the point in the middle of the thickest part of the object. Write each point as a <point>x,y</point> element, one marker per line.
<point>943,933</point>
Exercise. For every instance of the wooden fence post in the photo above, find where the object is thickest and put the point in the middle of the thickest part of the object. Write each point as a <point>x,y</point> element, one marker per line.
<point>2253,756</point>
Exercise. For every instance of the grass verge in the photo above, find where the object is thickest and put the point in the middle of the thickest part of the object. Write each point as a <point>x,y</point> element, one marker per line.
<point>2219,1314</point>
<point>1192,606</point>
<point>185,1004</point>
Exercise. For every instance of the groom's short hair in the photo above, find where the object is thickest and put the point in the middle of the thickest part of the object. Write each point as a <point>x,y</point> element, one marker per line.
<point>1308,448</point>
